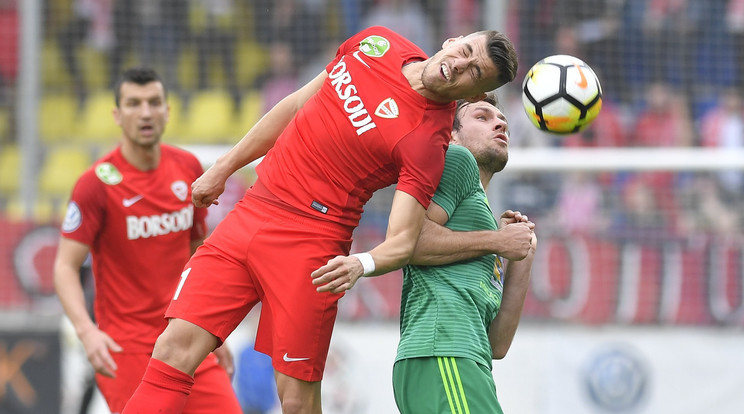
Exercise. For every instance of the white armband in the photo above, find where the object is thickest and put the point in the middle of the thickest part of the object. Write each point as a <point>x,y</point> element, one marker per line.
<point>368,263</point>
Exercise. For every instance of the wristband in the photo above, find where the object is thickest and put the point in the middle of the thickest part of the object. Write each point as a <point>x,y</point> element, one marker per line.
<point>368,263</point>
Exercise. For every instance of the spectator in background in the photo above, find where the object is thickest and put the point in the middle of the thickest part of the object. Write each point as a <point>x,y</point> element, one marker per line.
<point>406,17</point>
<point>90,23</point>
<point>579,204</point>
<point>735,27</point>
<point>126,26</point>
<point>665,121</point>
<point>280,77</point>
<point>8,66</point>
<point>703,209</point>
<point>300,23</point>
<point>213,24</point>
<point>164,31</point>
<point>723,127</point>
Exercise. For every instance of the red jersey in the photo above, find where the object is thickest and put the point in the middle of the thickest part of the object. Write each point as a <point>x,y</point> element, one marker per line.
<point>364,130</point>
<point>139,226</point>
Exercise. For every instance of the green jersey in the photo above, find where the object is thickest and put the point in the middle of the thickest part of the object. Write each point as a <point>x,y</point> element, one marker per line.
<point>447,310</point>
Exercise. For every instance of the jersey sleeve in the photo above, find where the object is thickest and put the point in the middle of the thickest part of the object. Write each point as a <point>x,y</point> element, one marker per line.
<point>421,163</point>
<point>86,210</point>
<point>459,179</point>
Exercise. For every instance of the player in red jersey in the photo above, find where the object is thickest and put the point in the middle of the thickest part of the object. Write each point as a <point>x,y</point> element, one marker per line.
<point>132,211</point>
<point>381,112</point>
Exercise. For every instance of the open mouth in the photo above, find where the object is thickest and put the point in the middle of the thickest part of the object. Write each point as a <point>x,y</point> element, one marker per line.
<point>445,71</point>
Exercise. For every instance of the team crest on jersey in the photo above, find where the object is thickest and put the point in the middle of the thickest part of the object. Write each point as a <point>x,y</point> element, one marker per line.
<point>498,271</point>
<point>374,46</point>
<point>387,109</point>
<point>107,173</point>
<point>180,189</point>
<point>73,218</point>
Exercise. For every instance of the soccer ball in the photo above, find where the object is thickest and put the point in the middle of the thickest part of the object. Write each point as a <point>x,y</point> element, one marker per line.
<point>561,94</point>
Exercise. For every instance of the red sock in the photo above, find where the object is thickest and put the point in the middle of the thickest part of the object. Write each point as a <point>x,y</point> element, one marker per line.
<point>163,389</point>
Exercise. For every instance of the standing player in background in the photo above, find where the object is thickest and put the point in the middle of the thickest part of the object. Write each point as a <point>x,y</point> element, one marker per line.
<point>132,211</point>
<point>460,305</point>
<point>381,112</point>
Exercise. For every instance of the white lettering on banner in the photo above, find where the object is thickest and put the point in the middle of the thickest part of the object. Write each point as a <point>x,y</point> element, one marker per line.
<point>720,303</point>
<point>635,281</point>
<point>578,293</point>
<point>159,225</point>
<point>353,105</point>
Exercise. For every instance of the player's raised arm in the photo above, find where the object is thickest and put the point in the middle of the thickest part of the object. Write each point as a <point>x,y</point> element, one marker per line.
<point>254,144</point>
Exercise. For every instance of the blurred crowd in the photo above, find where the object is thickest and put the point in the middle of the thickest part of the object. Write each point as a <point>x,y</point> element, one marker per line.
<point>671,72</point>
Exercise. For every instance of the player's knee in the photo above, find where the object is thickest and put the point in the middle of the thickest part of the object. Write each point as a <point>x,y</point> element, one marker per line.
<point>183,345</point>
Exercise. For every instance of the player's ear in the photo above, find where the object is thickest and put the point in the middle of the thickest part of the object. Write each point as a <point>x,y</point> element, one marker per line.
<point>450,41</point>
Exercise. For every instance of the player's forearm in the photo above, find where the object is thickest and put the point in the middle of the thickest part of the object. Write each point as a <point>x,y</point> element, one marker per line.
<point>438,245</point>
<point>70,292</point>
<point>504,325</point>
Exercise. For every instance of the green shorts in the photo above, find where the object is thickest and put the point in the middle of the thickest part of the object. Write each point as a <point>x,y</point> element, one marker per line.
<point>444,385</point>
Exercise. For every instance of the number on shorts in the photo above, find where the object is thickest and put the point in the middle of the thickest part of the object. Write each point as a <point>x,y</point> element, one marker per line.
<point>184,275</point>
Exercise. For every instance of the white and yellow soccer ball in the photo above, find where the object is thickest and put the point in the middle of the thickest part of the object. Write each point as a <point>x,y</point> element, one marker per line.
<point>561,94</point>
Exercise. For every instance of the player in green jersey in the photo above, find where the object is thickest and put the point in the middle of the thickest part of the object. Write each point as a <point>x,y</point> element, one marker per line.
<point>461,300</point>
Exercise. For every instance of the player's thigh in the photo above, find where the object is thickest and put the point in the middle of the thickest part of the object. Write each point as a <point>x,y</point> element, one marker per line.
<point>296,320</point>
<point>444,385</point>
<point>130,369</point>
<point>212,391</point>
<point>215,291</point>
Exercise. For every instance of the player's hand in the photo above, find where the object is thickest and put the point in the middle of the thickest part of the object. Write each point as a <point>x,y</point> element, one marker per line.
<point>517,240</point>
<point>225,359</point>
<point>338,275</point>
<point>509,217</point>
<point>206,189</point>
<point>98,347</point>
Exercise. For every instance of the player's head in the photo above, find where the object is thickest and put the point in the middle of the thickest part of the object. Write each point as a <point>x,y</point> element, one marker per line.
<point>468,67</point>
<point>482,128</point>
<point>141,108</point>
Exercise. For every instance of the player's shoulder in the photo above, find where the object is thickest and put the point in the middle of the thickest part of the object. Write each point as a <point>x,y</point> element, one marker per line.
<point>459,153</point>
<point>105,171</point>
<point>381,38</point>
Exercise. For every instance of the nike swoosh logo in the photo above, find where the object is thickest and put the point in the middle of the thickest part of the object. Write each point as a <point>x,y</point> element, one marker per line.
<point>288,359</point>
<point>582,83</point>
<point>359,58</point>
<point>129,202</point>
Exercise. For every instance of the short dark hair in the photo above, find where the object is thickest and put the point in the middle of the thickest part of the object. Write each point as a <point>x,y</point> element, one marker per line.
<point>491,98</point>
<point>502,53</point>
<point>140,76</point>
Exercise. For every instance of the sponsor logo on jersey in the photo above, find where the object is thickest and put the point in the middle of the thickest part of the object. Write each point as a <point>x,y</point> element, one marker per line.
<point>180,189</point>
<point>73,218</point>
<point>161,224</point>
<point>107,173</point>
<point>387,109</point>
<point>360,119</point>
<point>374,46</point>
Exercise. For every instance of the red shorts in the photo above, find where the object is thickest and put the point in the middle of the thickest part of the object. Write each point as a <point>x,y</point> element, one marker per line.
<point>212,391</point>
<point>262,253</point>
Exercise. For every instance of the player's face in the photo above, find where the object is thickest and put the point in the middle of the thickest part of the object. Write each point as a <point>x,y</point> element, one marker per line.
<point>142,112</point>
<point>484,131</point>
<point>462,69</point>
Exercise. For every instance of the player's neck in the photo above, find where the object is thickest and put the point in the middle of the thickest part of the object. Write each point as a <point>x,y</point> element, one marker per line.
<point>143,158</point>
